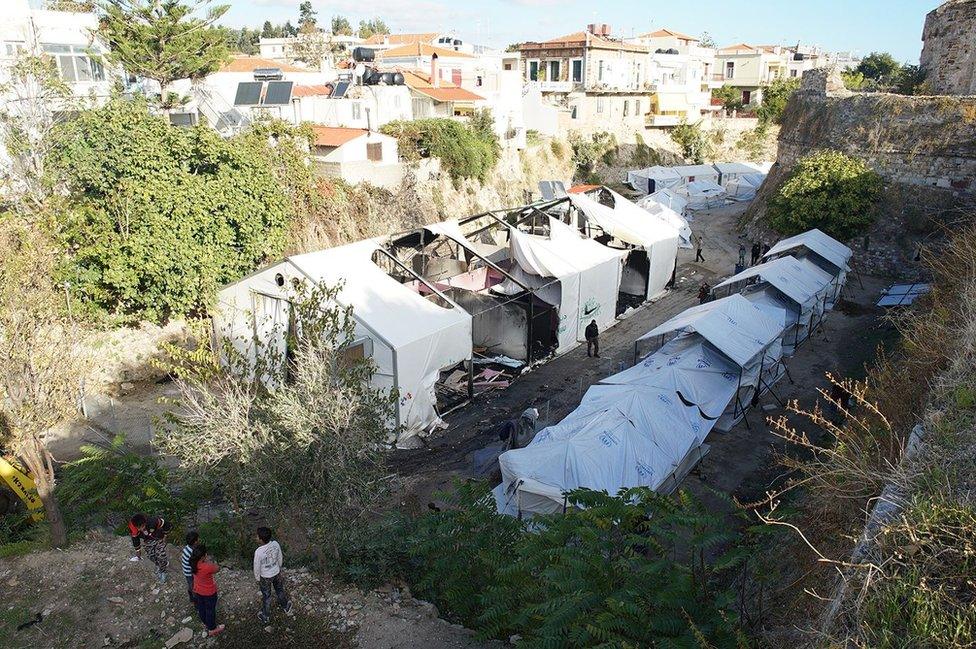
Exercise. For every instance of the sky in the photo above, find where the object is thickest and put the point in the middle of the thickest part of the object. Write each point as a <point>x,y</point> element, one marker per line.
<point>864,26</point>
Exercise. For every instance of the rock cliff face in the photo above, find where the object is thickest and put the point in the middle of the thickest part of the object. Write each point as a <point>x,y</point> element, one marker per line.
<point>949,55</point>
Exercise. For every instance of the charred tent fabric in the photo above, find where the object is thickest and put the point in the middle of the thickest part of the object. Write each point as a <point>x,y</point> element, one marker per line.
<point>410,338</point>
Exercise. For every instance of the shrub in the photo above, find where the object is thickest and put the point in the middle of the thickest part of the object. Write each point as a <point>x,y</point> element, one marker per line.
<point>774,99</point>
<point>587,150</point>
<point>692,140</point>
<point>730,97</point>
<point>557,148</point>
<point>465,151</point>
<point>160,216</point>
<point>644,156</point>
<point>828,190</point>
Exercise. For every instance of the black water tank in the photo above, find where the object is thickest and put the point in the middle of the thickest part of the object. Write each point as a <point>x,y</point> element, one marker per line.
<point>398,79</point>
<point>371,77</point>
<point>363,54</point>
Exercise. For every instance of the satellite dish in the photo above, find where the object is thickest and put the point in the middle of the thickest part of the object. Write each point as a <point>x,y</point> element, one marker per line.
<point>360,70</point>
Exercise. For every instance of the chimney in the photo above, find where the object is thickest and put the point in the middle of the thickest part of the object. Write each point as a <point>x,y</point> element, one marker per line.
<point>599,29</point>
<point>434,80</point>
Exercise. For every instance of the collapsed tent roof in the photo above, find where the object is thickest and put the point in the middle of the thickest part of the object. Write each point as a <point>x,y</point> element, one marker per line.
<point>802,284</point>
<point>737,327</point>
<point>625,221</point>
<point>818,242</point>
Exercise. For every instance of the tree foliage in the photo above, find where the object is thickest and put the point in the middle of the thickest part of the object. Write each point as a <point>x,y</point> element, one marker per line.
<point>465,150</point>
<point>878,66</point>
<point>775,96</point>
<point>369,28</point>
<point>587,150</point>
<point>164,40</point>
<point>306,15</point>
<point>828,190</point>
<point>692,140</point>
<point>158,216</point>
<point>730,97</point>
<point>614,571</point>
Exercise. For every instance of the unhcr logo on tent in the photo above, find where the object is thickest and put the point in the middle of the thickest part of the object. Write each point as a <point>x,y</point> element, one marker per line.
<point>664,399</point>
<point>728,376</point>
<point>703,363</point>
<point>609,440</point>
<point>589,310</point>
<point>644,470</point>
<point>696,428</point>
<point>674,359</point>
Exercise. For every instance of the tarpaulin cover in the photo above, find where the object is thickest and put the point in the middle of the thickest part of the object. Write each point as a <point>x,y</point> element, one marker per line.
<point>666,197</point>
<point>818,242</point>
<point>630,224</point>
<point>701,194</point>
<point>633,430</point>
<point>652,179</point>
<point>798,282</point>
<point>413,338</point>
<point>588,273</point>
<point>695,173</point>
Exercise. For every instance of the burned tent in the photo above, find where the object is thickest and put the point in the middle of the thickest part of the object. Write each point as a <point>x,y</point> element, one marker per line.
<point>410,337</point>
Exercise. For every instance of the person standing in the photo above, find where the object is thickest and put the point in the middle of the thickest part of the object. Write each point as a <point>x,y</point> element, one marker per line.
<point>205,589</point>
<point>267,572</point>
<point>704,293</point>
<point>742,255</point>
<point>592,335</point>
<point>192,538</point>
<point>699,244</point>
<point>756,253</point>
<point>151,531</point>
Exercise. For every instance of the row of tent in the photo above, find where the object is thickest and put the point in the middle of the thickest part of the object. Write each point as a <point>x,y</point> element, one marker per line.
<point>513,285</point>
<point>647,425</point>
<point>693,187</point>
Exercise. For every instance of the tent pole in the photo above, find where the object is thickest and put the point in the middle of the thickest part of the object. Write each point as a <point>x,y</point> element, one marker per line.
<point>471,378</point>
<point>529,329</point>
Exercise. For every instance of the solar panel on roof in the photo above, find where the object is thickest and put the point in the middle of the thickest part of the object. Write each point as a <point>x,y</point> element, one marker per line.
<point>248,93</point>
<point>340,89</point>
<point>278,93</point>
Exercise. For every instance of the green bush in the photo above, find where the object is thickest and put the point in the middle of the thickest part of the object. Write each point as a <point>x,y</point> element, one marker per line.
<point>158,216</point>
<point>828,190</point>
<point>692,140</point>
<point>730,97</point>
<point>644,156</point>
<point>587,150</point>
<point>621,571</point>
<point>465,151</point>
<point>774,99</point>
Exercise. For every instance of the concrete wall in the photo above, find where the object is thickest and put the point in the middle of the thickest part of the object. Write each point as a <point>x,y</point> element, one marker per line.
<point>949,54</point>
<point>389,176</point>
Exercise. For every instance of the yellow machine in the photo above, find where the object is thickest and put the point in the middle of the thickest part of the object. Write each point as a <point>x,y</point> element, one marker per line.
<point>20,482</point>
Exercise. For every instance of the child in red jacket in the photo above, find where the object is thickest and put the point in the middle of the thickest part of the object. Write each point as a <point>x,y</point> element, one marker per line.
<point>205,588</point>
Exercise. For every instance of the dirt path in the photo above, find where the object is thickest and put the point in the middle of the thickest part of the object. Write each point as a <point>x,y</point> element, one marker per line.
<point>90,595</point>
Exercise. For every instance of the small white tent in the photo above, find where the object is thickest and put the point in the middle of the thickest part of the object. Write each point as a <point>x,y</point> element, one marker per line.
<point>729,171</point>
<point>632,225</point>
<point>653,179</point>
<point>409,337</point>
<point>827,253</point>
<point>744,188</point>
<point>701,194</point>
<point>697,173</point>
<point>666,197</point>
<point>588,275</point>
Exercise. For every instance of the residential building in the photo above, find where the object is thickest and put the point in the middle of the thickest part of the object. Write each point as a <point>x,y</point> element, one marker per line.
<point>362,107</point>
<point>433,97</point>
<point>455,67</point>
<point>283,50</point>
<point>357,155</point>
<point>749,68</point>
<point>601,84</point>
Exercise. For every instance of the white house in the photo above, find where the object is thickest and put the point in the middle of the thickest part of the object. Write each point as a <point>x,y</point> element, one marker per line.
<point>368,107</point>
<point>357,155</point>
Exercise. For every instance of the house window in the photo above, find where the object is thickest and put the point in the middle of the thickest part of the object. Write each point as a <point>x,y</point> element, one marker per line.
<point>421,107</point>
<point>637,107</point>
<point>793,72</point>
<point>74,64</point>
<point>626,108</point>
<point>396,101</point>
<point>574,111</point>
<point>599,72</point>
<point>577,71</point>
<point>357,111</point>
<point>730,69</point>
<point>374,151</point>
<point>599,105</point>
<point>746,97</point>
<point>507,66</point>
<point>533,70</point>
<point>553,71</point>
<point>478,81</point>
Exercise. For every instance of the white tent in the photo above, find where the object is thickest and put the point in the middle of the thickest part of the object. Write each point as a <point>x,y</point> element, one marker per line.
<point>805,286</point>
<point>409,337</point>
<point>744,187</point>
<point>632,225</point>
<point>669,216</point>
<point>666,197</point>
<point>653,179</point>
<point>697,173</point>
<point>588,273</point>
<point>642,429</point>
<point>823,250</point>
<point>750,334</point>
<point>729,171</point>
<point>701,194</point>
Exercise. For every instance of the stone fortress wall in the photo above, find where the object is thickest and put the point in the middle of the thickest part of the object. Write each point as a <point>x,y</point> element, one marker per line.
<point>949,55</point>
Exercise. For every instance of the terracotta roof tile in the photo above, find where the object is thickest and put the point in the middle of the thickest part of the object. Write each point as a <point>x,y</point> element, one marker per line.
<point>422,49</point>
<point>400,39</point>
<point>447,91</point>
<point>585,37</point>
<point>662,33</point>
<point>251,63</point>
<point>336,135</point>
<point>311,91</point>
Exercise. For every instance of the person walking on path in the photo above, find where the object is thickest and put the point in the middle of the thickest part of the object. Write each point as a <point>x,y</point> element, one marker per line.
<point>150,532</point>
<point>742,255</point>
<point>756,253</point>
<point>268,561</point>
<point>192,538</point>
<point>592,335</point>
<point>699,244</point>
<point>205,589</point>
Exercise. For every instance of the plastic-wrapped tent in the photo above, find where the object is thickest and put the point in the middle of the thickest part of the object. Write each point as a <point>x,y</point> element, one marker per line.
<point>804,286</point>
<point>409,337</point>
<point>827,253</point>
<point>643,427</point>
<point>666,197</point>
<point>697,173</point>
<point>701,194</point>
<point>653,179</point>
<point>744,188</point>
<point>588,273</point>
<point>750,334</point>
<point>729,171</point>
<point>632,225</point>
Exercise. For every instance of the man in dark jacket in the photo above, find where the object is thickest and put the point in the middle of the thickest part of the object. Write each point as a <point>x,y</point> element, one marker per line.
<point>592,334</point>
<point>151,531</point>
<point>756,253</point>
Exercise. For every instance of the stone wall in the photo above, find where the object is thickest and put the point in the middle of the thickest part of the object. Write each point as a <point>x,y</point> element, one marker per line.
<point>949,54</point>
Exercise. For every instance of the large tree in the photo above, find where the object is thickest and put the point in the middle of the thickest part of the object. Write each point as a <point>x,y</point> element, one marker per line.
<point>879,66</point>
<point>368,28</point>
<point>164,40</point>
<point>43,361</point>
<point>306,15</point>
<point>340,25</point>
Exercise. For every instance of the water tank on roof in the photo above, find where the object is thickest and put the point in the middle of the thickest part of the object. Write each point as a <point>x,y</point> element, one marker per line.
<point>671,50</point>
<point>398,79</point>
<point>363,54</point>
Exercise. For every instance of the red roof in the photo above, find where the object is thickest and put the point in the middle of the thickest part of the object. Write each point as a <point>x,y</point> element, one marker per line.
<point>446,91</point>
<point>252,63</point>
<point>582,189</point>
<point>422,49</point>
<point>663,33</point>
<point>400,39</point>
<point>312,91</point>
<point>738,48</point>
<point>583,38</point>
<point>336,135</point>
